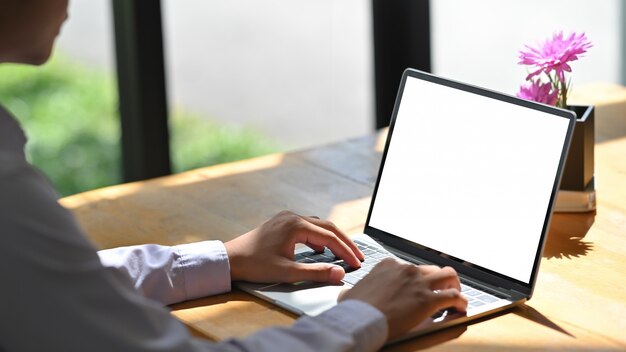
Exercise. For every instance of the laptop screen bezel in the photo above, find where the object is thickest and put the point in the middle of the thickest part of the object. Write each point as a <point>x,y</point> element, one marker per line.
<point>435,257</point>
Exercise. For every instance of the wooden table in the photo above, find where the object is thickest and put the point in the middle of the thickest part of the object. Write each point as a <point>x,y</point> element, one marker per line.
<point>580,298</point>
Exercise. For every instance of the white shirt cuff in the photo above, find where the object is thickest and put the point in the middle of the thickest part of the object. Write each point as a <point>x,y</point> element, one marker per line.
<point>205,268</point>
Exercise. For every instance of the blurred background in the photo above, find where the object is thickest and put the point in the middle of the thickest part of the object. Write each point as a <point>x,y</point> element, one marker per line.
<point>248,77</point>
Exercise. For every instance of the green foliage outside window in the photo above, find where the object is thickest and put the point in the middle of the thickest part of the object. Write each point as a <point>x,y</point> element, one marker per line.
<point>70,115</point>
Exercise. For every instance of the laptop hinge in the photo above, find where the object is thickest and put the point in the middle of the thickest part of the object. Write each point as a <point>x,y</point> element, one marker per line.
<point>517,294</point>
<point>407,257</point>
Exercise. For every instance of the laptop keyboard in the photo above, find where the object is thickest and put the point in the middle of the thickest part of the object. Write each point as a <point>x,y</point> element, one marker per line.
<point>476,296</point>
<point>373,256</point>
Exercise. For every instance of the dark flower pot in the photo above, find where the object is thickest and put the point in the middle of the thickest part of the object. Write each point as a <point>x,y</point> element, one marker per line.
<point>578,173</point>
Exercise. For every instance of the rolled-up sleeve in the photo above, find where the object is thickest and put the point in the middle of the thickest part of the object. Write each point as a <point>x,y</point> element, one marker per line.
<point>172,274</point>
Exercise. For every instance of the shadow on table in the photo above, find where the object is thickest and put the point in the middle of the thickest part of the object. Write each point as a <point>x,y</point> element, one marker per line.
<point>238,314</point>
<point>565,238</point>
<point>428,341</point>
<point>534,315</point>
<point>441,337</point>
<point>234,314</point>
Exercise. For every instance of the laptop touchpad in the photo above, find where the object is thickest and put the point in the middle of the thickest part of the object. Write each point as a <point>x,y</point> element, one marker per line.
<point>311,298</point>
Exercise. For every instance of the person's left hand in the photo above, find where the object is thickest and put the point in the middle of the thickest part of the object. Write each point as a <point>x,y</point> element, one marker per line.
<point>266,254</point>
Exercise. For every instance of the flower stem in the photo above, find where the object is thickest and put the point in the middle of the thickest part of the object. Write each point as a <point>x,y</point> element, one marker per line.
<point>563,100</point>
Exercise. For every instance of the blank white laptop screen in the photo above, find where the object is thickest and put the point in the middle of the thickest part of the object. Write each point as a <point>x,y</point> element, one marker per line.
<point>469,176</point>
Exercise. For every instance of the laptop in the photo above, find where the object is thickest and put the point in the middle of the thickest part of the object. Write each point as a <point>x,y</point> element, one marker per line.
<point>468,179</point>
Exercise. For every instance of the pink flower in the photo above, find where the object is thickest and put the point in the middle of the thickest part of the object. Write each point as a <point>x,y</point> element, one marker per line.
<point>539,92</point>
<point>555,54</point>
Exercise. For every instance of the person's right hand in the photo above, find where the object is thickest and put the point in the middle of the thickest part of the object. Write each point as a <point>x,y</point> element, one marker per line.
<point>407,294</point>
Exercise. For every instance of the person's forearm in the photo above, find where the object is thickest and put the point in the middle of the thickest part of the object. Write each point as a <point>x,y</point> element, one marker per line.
<point>350,326</point>
<point>173,274</point>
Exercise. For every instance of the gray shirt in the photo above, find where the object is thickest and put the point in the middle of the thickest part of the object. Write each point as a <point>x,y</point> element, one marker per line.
<point>59,294</point>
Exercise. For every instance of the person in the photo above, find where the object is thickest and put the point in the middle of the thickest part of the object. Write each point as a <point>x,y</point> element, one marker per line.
<point>59,293</point>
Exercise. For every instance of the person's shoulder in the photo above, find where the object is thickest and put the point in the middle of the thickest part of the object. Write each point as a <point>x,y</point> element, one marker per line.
<point>12,137</point>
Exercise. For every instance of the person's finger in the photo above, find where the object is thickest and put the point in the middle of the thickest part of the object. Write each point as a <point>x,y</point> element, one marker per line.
<point>340,234</point>
<point>444,278</point>
<point>428,269</point>
<point>320,272</point>
<point>448,298</point>
<point>318,236</point>
<point>316,248</point>
<point>386,264</point>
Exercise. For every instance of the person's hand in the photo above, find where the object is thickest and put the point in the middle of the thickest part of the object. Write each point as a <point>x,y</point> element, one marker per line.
<point>407,294</point>
<point>266,254</point>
